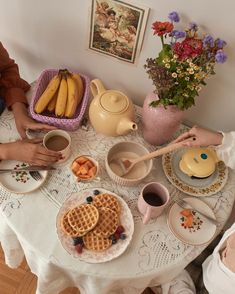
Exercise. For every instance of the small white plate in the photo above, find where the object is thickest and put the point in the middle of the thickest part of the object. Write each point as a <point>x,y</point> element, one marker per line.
<point>126,220</point>
<point>189,185</point>
<point>202,230</point>
<point>19,182</point>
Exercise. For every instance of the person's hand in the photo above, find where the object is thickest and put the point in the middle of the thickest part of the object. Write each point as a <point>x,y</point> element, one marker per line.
<point>24,122</point>
<point>202,137</point>
<point>30,151</point>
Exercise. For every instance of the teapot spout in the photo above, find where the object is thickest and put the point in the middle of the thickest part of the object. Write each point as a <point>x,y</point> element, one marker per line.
<point>125,126</point>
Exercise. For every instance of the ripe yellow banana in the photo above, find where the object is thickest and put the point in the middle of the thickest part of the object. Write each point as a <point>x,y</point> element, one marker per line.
<point>51,105</point>
<point>72,101</point>
<point>80,86</point>
<point>62,97</point>
<point>47,94</point>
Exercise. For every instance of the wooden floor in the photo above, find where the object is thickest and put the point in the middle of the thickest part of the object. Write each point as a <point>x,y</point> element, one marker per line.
<point>22,281</point>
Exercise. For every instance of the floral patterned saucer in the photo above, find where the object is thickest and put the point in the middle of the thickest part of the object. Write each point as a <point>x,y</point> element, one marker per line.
<point>126,220</point>
<point>19,182</point>
<point>193,228</point>
<point>190,185</point>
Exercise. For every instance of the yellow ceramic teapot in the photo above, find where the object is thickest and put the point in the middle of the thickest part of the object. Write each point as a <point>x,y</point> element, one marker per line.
<point>111,112</point>
<point>198,162</point>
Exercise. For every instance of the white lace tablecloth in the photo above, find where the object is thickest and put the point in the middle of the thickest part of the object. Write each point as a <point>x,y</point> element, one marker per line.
<point>28,225</point>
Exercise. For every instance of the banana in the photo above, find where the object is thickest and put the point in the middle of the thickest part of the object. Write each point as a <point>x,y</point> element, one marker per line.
<point>80,86</point>
<point>72,101</point>
<point>51,105</point>
<point>62,96</point>
<point>47,95</point>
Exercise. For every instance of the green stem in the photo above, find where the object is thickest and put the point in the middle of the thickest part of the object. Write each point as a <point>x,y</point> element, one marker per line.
<point>162,40</point>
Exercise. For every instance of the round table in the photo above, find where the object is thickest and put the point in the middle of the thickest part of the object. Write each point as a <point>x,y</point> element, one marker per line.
<point>28,225</point>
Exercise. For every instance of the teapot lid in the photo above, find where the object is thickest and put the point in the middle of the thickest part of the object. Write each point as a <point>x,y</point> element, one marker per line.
<point>198,162</point>
<point>114,101</point>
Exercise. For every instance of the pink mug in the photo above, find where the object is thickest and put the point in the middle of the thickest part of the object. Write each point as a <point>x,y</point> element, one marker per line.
<point>152,201</point>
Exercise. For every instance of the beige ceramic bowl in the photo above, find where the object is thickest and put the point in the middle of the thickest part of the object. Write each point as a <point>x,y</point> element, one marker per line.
<point>83,163</point>
<point>128,150</point>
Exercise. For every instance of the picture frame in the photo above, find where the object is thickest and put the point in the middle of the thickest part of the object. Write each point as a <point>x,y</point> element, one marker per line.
<point>117,28</point>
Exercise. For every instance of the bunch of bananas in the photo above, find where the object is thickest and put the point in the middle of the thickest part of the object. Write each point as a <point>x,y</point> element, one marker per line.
<point>62,95</point>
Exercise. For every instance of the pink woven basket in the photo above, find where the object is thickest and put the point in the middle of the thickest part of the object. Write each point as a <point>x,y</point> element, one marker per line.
<point>69,124</point>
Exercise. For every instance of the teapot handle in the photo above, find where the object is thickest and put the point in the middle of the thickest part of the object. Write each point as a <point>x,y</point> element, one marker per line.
<point>96,87</point>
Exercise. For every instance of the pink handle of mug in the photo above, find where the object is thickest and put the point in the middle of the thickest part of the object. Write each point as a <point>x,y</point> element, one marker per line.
<point>147,215</point>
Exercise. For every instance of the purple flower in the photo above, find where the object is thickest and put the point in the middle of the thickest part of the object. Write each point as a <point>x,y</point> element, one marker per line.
<point>193,26</point>
<point>174,16</point>
<point>220,56</point>
<point>178,34</point>
<point>220,43</point>
<point>208,41</point>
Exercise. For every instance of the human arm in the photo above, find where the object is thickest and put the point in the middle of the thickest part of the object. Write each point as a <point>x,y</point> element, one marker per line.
<point>224,142</point>
<point>13,90</point>
<point>12,87</point>
<point>24,122</point>
<point>29,151</point>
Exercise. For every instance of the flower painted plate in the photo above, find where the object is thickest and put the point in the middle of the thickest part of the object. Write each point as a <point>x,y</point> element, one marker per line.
<point>199,231</point>
<point>126,220</point>
<point>19,182</point>
<point>191,185</point>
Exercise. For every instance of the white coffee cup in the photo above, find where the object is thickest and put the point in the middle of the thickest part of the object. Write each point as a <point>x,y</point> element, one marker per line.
<point>58,140</point>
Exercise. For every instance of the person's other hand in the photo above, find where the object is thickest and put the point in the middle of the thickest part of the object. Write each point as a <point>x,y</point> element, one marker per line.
<point>202,137</point>
<point>24,122</point>
<point>30,151</point>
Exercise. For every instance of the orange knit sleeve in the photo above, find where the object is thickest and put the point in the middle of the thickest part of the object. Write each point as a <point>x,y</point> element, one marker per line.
<point>12,86</point>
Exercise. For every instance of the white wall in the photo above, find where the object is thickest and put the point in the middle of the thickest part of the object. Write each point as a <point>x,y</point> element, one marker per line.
<point>53,34</point>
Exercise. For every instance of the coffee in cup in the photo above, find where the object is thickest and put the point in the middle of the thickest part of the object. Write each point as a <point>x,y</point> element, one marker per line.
<point>152,201</point>
<point>58,140</point>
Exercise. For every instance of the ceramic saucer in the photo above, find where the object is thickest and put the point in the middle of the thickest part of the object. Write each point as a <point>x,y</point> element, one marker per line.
<point>190,185</point>
<point>202,230</point>
<point>19,182</point>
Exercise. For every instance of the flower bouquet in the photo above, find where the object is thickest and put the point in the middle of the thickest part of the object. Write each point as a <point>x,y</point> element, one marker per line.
<point>185,61</point>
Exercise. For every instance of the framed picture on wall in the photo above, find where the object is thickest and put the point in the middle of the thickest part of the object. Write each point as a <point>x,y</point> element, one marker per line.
<point>117,28</point>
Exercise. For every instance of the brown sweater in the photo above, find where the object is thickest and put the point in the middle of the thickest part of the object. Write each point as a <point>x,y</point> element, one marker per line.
<point>12,87</point>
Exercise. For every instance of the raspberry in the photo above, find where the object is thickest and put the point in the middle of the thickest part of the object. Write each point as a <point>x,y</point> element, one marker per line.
<point>89,199</point>
<point>96,192</point>
<point>78,248</point>
<point>117,236</point>
<point>120,229</point>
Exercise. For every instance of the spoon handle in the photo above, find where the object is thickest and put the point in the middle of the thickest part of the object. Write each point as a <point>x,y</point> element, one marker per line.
<point>159,152</point>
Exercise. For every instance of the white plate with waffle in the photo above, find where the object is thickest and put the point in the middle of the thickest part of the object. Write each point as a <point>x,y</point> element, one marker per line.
<point>77,218</point>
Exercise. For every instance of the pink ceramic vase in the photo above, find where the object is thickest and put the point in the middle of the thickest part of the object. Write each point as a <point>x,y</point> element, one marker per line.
<point>160,123</point>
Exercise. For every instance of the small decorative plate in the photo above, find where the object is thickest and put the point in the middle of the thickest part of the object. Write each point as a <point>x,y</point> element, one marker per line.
<point>200,232</point>
<point>20,182</point>
<point>190,185</point>
<point>126,220</point>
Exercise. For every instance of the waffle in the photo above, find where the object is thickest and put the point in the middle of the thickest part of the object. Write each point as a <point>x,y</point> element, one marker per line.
<point>108,201</point>
<point>96,243</point>
<point>83,218</point>
<point>107,224</point>
<point>65,226</point>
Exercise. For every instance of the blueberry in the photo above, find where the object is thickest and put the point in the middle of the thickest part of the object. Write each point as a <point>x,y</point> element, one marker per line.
<point>123,236</point>
<point>96,192</point>
<point>114,241</point>
<point>77,240</point>
<point>89,199</point>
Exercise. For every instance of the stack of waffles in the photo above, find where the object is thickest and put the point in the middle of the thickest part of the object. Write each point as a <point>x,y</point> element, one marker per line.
<point>94,222</point>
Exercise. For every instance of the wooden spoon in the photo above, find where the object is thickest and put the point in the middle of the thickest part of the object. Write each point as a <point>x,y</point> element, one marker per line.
<point>127,164</point>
